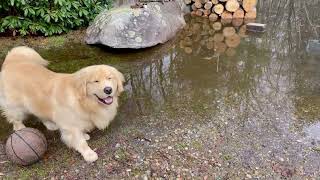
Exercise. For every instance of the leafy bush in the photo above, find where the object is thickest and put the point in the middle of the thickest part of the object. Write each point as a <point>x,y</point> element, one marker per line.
<point>47,17</point>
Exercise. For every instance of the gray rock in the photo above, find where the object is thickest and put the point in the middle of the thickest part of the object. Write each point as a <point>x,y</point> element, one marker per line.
<point>126,27</point>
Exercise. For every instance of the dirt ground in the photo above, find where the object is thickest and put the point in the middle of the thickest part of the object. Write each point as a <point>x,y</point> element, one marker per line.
<point>254,115</point>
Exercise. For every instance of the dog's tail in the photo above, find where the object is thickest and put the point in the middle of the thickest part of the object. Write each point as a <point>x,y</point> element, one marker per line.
<point>24,54</point>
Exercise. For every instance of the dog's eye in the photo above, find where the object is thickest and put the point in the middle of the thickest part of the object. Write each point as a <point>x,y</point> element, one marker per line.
<point>109,78</point>
<point>96,81</point>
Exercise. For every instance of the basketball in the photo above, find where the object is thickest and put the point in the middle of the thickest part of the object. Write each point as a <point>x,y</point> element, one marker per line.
<point>26,146</point>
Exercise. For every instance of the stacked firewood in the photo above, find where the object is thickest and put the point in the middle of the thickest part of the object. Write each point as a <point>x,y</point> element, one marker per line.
<point>225,9</point>
<point>216,37</point>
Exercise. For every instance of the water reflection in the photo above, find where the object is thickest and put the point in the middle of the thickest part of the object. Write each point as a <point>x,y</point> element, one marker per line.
<point>260,92</point>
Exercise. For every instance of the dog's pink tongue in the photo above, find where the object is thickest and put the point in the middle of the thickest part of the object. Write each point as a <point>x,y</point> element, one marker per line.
<point>108,100</point>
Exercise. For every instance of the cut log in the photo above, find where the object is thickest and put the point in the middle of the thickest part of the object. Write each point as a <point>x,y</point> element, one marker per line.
<point>188,50</point>
<point>249,5</point>
<point>207,12</point>
<point>232,5</point>
<point>202,42</point>
<point>204,1</point>
<point>210,39</point>
<point>217,26</point>
<point>193,7</point>
<point>187,1</point>
<point>187,41</point>
<point>218,8</point>
<point>231,52</point>
<point>189,33</point>
<point>214,1</point>
<point>213,17</point>
<point>237,22</point>
<point>233,41</point>
<point>181,44</point>
<point>193,13</point>
<point>251,14</point>
<point>198,4</point>
<point>208,5</point>
<point>196,27</point>
<point>211,32</point>
<point>225,21</point>
<point>218,37</point>
<point>220,47</point>
<point>238,14</point>
<point>199,12</point>
<point>210,45</point>
<point>197,38</point>
<point>229,31</point>
<point>242,31</point>
<point>226,15</point>
<point>206,27</point>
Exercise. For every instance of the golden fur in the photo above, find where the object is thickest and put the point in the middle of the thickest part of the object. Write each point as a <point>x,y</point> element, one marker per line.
<point>73,103</point>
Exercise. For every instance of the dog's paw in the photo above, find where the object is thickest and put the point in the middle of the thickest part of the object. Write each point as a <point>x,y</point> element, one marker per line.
<point>51,126</point>
<point>18,126</point>
<point>86,136</point>
<point>90,156</point>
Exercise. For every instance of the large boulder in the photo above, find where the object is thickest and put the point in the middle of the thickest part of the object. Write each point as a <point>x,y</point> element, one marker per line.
<point>126,27</point>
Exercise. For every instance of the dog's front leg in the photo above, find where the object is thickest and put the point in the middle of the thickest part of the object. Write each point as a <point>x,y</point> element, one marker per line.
<point>75,139</point>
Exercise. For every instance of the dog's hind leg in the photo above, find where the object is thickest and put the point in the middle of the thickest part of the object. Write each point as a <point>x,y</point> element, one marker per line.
<point>15,116</point>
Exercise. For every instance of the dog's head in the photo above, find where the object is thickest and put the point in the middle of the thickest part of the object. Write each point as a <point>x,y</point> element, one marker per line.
<point>101,83</point>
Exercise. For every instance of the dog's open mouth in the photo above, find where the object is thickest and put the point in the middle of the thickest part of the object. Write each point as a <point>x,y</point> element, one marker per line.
<point>108,100</point>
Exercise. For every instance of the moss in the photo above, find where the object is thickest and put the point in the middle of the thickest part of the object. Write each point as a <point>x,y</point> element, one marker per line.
<point>56,40</point>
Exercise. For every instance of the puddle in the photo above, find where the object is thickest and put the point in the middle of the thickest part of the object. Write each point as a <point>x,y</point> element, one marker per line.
<point>248,99</point>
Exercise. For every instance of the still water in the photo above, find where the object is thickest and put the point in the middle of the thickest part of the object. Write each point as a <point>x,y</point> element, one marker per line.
<point>259,92</point>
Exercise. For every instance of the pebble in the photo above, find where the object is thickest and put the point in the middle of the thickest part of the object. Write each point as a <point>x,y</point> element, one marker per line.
<point>131,34</point>
<point>169,147</point>
<point>145,177</point>
<point>138,39</point>
<point>249,176</point>
<point>117,145</point>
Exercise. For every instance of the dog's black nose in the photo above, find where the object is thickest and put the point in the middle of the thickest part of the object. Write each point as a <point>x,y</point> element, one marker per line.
<point>107,90</point>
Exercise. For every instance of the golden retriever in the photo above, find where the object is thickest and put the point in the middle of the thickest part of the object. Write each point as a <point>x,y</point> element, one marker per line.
<point>73,103</point>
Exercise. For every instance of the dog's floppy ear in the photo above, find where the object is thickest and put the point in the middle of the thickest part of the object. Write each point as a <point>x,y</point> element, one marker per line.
<point>120,80</point>
<point>81,79</point>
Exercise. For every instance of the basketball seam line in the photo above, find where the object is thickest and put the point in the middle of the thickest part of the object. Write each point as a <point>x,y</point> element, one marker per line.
<point>44,141</point>
<point>28,145</point>
<point>15,152</point>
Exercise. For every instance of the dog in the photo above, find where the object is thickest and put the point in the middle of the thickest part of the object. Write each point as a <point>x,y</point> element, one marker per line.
<point>73,103</point>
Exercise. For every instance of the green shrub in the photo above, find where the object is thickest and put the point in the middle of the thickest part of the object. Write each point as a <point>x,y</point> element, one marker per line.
<point>47,17</point>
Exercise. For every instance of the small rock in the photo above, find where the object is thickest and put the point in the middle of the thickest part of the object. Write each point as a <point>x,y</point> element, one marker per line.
<point>249,176</point>
<point>145,177</point>
<point>131,34</point>
<point>138,39</point>
<point>169,147</point>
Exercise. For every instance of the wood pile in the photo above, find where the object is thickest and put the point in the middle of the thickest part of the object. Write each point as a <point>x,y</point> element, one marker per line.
<point>225,9</point>
<point>212,38</point>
